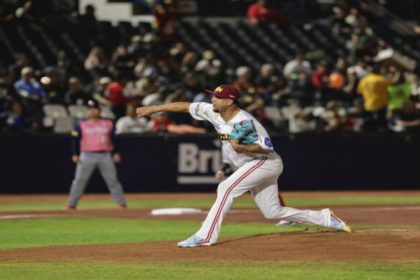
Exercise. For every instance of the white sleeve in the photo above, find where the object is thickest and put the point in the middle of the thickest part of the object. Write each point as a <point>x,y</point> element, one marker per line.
<point>202,111</point>
<point>264,139</point>
<point>265,142</point>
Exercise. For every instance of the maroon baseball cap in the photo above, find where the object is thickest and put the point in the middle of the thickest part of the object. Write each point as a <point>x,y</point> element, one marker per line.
<point>225,91</point>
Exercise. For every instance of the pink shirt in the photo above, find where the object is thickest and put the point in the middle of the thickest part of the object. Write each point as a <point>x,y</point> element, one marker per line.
<point>96,135</point>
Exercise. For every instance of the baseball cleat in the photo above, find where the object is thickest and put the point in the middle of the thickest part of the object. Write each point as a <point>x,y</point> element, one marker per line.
<point>70,208</point>
<point>338,223</point>
<point>193,241</point>
<point>284,223</point>
<point>122,206</point>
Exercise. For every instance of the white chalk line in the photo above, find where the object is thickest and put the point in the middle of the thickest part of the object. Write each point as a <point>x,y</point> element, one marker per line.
<point>232,211</point>
<point>26,216</point>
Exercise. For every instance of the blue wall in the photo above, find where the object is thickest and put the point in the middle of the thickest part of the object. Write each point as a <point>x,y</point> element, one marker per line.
<point>41,163</point>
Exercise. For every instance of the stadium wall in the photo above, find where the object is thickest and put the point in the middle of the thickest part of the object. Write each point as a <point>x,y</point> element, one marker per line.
<point>166,163</point>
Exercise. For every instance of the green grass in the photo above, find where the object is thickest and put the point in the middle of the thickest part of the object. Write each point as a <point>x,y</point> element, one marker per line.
<point>24,233</point>
<point>73,231</point>
<point>215,270</point>
<point>242,202</point>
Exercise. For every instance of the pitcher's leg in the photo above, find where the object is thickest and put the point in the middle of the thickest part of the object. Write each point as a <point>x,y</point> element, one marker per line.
<point>84,170</point>
<point>109,173</point>
<point>210,228</point>
<point>235,185</point>
<point>266,197</point>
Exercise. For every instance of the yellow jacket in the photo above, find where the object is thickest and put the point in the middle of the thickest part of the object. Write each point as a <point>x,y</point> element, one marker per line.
<point>373,88</point>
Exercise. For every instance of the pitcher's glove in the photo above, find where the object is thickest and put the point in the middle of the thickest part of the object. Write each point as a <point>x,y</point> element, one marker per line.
<point>245,132</point>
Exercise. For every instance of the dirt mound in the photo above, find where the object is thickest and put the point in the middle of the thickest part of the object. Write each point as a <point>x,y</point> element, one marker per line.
<point>361,245</point>
<point>400,240</point>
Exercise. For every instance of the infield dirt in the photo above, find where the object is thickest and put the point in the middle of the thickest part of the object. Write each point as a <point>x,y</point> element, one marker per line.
<point>400,240</point>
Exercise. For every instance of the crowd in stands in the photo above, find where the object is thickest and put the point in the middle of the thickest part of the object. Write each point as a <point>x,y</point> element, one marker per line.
<point>351,93</point>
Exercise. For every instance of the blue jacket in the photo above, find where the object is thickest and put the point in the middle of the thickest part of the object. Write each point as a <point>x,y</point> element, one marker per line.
<point>31,89</point>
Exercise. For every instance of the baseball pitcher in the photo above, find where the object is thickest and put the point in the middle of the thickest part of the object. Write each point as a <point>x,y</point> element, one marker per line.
<point>248,146</point>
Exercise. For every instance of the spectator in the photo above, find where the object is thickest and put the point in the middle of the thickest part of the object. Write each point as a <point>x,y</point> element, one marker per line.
<point>178,52</point>
<point>152,45</point>
<point>7,88</point>
<point>89,16</point>
<point>319,77</point>
<point>7,97</point>
<point>165,14</point>
<point>297,66</point>
<point>96,62</point>
<point>337,80</point>
<point>148,83</point>
<point>213,73</point>
<point>407,119</point>
<point>191,84</point>
<point>33,97</point>
<point>136,48</point>
<point>173,72</point>
<point>280,93</point>
<point>360,69</point>
<point>333,117</point>
<point>266,77</point>
<point>147,69</point>
<point>21,61</point>
<point>189,61</point>
<point>339,24</point>
<point>350,89</point>
<point>299,88</point>
<point>123,62</point>
<point>244,81</point>
<point>52,86</point>
<point>115,95</point>
<point>356,21</point>
<point>15,121</point>
<point>160,122</point>
<point>399,94</point>
<point>76,95</point>
<point>373,89</point>
<point>87,21</point>
<point>130,123</point>
<point>97,89</point>
<point>263,12</point>
<point>299,120</point>
<point>65,68</point>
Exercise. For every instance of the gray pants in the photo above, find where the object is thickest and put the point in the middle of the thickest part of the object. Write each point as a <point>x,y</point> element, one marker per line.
<point>88,163</point>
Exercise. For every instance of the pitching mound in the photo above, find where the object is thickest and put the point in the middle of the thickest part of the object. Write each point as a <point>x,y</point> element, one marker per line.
<point>362,245</point>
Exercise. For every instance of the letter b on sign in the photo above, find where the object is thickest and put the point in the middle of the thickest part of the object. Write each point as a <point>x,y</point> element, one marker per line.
<point>187,158</point>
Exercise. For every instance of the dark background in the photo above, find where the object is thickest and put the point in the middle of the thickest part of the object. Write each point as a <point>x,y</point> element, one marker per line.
<point>42,164</point>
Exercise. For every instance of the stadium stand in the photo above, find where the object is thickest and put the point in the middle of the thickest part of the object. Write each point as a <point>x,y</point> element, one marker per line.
<point>206,52</point>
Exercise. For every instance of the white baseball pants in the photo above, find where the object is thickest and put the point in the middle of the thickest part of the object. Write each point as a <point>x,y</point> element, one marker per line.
<point>260,177</point>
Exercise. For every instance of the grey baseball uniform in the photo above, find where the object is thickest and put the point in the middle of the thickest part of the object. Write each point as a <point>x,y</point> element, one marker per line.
<point>89,161</point>
<point>93,137</point>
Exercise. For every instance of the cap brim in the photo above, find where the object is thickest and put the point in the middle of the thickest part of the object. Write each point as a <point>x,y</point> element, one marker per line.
<point>209,91</point>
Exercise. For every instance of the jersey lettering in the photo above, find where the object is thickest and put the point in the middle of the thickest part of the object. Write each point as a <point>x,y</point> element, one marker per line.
<point>223,136</point>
